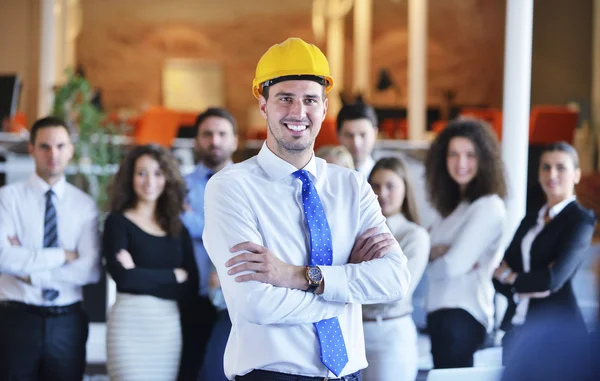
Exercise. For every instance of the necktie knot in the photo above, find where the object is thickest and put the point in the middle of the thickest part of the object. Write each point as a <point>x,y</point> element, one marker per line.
<point>303,176</point>
<point>49,194</point>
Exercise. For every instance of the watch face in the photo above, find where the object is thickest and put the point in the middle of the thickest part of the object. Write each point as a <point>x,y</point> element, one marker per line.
<point>315,275</point>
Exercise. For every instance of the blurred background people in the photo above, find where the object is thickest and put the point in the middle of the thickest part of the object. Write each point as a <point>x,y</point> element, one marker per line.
<point>546,251</point>
<point>216,140</point>
<point>465,183</point>
<point>390,333</point>
<point>49,249</point>
<point>338,155</point>
<point>150,255</point>
<point>357,131</point>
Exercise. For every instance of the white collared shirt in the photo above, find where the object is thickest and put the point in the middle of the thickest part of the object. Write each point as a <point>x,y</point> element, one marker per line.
<point>526,243</point>
<point>22,210</point>
<point>462,278</point>
<point>367,166</point>
<point>259,200</point>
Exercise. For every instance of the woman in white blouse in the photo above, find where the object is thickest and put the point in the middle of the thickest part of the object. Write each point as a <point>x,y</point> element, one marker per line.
<point>465,183</point>
<point>546,251</point>
<point>390,333</point>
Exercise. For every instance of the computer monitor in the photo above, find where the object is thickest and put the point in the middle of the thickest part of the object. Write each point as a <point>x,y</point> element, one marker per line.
<point>10,87</point>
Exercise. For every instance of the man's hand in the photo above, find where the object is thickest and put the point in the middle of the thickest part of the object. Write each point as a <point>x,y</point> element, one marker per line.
<point>213,280</point>
<point>371,245</point>
<point>14,240</point>
<point>125,259</point>
<point>437,252</point>
<point>70,256</point>
<point>266,266</point>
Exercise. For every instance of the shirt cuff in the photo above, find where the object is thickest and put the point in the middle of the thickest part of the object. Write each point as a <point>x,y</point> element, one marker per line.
<point>516,298</point>
<point>336,284</point>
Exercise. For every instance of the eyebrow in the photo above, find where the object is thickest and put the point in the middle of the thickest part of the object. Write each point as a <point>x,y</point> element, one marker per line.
<point>284,94</point>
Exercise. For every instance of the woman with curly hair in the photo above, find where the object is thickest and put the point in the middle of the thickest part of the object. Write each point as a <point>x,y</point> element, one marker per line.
<point>465,184</point>
<point>150,256</point>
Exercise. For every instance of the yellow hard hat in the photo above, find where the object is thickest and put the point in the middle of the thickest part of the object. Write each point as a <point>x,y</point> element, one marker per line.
<point>293,57</point>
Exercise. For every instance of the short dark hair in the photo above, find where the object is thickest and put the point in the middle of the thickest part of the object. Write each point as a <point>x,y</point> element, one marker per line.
<point>444,193</point>
<point>563,147</point>
<point>218,112</point>
<point>49,121</point>
<point>356,111</point>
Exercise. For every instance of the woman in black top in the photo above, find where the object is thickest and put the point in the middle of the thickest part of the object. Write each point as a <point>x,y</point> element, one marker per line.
<point>546,251</point>
<point>149,254</point>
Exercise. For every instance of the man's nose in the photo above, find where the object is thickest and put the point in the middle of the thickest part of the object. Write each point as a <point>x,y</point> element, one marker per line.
<point>298,110</point>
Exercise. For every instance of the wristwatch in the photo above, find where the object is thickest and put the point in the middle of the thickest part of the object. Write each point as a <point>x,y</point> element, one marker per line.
<point>314,276</point>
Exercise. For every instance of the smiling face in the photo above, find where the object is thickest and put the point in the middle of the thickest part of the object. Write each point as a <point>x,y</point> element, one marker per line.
<point>390,190</point>
<point>462,161</point>
<point>148,179</point>
<point>294,112</point>
<point>557,176</point>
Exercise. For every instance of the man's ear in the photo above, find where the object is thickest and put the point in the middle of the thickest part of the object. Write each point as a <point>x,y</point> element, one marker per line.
<point>262,105</point>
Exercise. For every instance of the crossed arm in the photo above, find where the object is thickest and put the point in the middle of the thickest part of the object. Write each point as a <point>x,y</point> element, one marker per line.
<point>265,290</point>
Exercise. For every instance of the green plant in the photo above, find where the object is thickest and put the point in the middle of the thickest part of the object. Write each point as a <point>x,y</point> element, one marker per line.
<point>97,145</point>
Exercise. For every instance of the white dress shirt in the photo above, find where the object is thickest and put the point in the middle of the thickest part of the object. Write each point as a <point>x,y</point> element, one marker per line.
<point>22,210</point>
<point>526,243</point>
<point>367,166</point>
<point>462,278</point>
<point>414,241</point>
<point>259,200</point>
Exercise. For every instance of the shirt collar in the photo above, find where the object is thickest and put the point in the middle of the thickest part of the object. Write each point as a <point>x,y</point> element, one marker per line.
<point>277,168</point>
<point>556,209</point>
<point>42,187</point>
<point>367,166</point>
<point>202,171</point>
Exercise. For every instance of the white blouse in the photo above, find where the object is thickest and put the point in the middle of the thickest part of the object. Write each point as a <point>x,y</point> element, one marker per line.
<point>462,278</point>
<point>414,241</point>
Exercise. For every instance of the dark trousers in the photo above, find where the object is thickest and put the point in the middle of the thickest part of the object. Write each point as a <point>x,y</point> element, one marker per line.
<point>35,346</point>
<point>197,318</point>
<point>212,369</point>
<point>455,336</point>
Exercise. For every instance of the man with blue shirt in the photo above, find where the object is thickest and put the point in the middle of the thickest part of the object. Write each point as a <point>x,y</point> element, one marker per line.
<point>216,141</point>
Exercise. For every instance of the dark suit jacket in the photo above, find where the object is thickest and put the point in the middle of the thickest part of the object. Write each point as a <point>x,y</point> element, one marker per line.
<point>563,242</point>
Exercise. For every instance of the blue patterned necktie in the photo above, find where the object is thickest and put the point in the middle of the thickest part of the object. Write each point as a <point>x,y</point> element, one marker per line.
<point>50,238</point>
<point>333,347</point>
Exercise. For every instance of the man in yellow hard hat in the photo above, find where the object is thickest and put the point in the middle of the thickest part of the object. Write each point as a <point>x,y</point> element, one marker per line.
<point>299,244</point>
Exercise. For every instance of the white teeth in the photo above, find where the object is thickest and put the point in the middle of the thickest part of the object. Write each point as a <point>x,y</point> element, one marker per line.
<point>296,127</point>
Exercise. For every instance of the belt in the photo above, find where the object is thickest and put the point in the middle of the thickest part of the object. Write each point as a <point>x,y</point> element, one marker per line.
<point>267,375</point>
<point>382,318</point>
<point>40,310</point>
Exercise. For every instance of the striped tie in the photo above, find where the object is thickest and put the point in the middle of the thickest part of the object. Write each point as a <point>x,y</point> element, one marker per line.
<point>50,238</point>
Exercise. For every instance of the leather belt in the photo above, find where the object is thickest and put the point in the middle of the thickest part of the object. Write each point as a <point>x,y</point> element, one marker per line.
<point>43,311</point>
<point>266,375</point>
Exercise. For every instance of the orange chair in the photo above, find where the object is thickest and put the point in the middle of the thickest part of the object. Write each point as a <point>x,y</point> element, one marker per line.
<point>327,135</point>
<point>394,128</point>
<point>157,125</point>
<point>550,124</point>
<point>18,123</point>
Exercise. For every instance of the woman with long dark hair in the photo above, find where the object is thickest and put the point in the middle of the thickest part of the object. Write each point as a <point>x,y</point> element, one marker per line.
<point>465,183</point>
<point>150,256</point>
<point>390,333</point>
